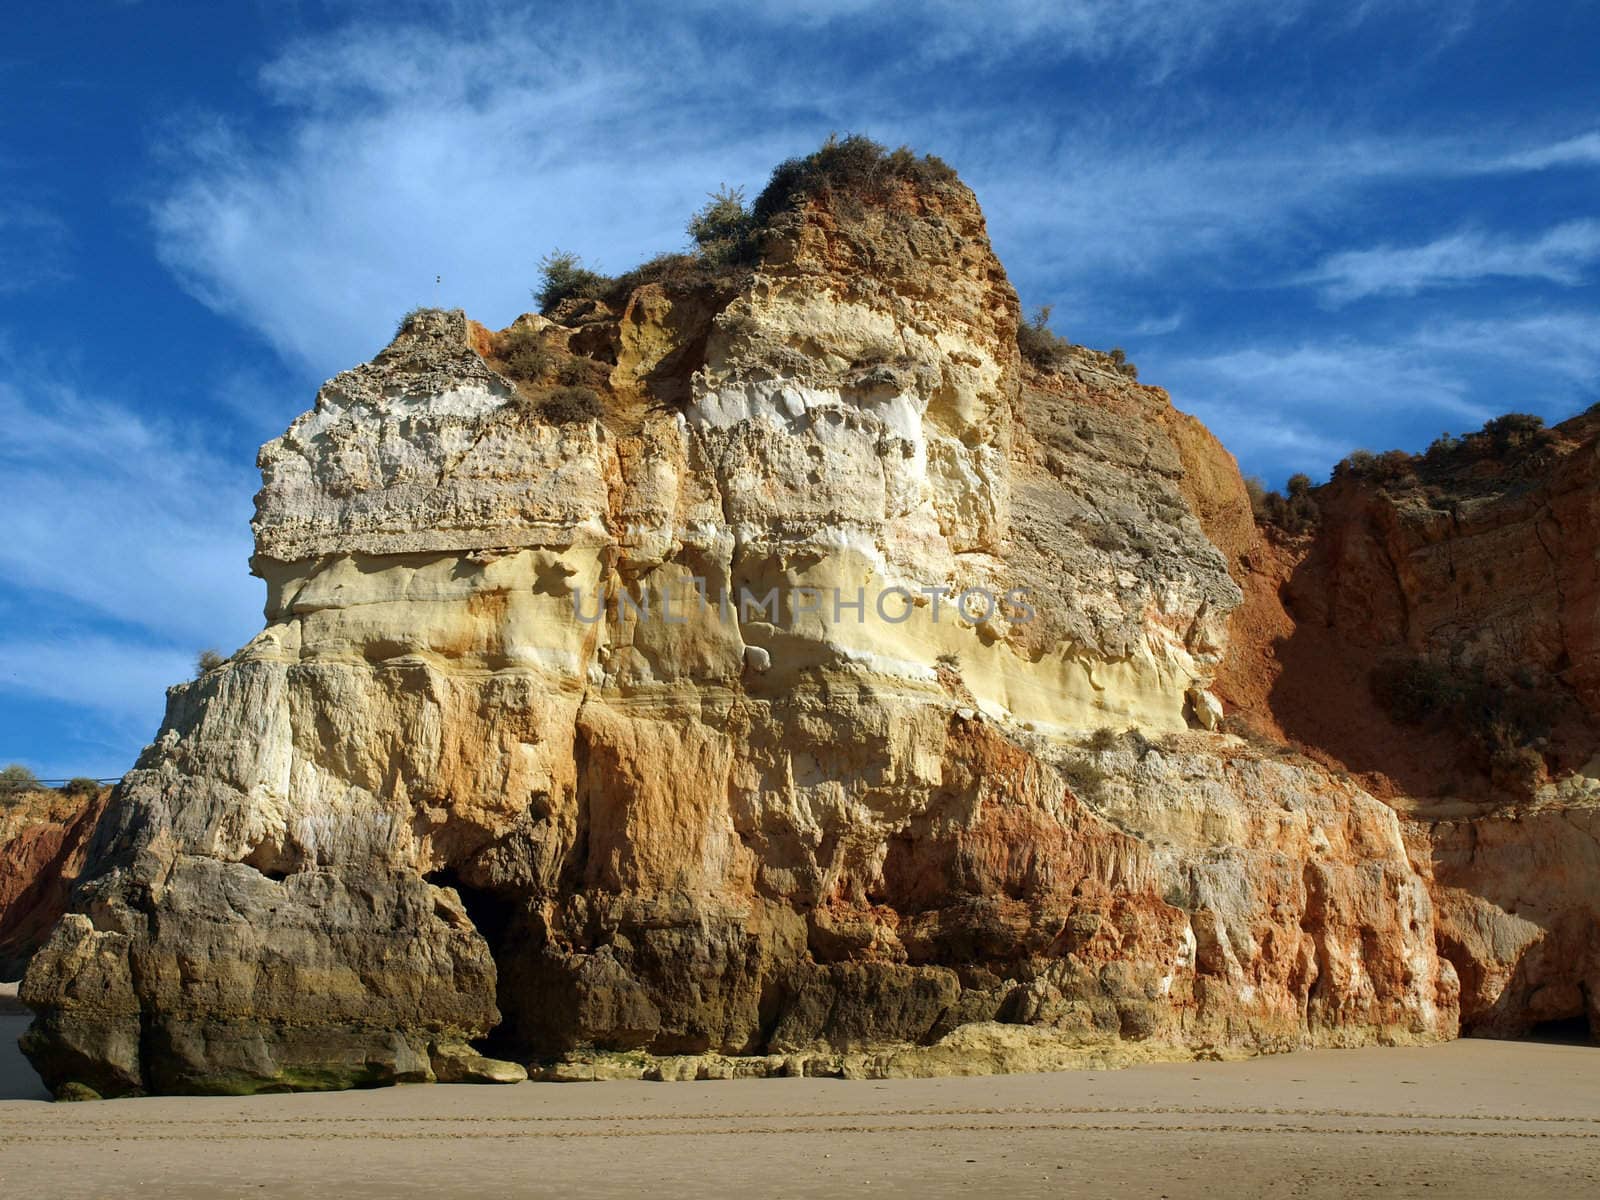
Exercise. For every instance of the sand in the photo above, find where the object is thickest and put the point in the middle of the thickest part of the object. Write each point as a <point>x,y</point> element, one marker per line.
<point>1467,1119</point>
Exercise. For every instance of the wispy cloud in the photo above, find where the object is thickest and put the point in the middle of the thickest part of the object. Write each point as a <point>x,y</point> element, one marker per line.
<point>116,676</point>
<point>124,516</point>
<point>1580,151</point>
<point>1561,255</point>
<point>1161,37</point>
<point>34,244</point>
<point>1301,405</point>
<point>413,153</point>
<point>406,151</point>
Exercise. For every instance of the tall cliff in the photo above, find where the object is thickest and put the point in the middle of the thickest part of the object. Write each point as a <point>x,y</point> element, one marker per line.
<point>1436,634</point>
<point>748,668</point>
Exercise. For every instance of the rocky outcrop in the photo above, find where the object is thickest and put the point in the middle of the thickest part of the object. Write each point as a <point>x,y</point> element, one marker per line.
<point>1435,634</point>
<point>1518,898</point>
<point>44,837</point>
<point>1478,563</point>
<point>817,681</point>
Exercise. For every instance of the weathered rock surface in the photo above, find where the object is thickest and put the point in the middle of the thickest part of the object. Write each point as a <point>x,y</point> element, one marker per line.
<point>435,800</point>
<point>1478,567</point>
<point>44,837</point>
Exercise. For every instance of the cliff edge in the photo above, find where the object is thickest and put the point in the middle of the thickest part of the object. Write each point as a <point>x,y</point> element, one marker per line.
<point>748,665</point>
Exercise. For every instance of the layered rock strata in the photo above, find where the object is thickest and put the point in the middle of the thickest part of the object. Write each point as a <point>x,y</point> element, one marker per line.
<point>1436,635</point>
<point>837,686</point>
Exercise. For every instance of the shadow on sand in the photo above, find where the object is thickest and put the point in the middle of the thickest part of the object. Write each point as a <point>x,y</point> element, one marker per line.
<point>17,1079</point>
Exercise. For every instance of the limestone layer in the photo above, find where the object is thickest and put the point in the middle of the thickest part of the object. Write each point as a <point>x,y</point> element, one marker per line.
<point>526,753</point>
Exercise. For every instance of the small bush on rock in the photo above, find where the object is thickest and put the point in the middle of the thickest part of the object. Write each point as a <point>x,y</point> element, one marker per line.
<point>855,165</point>
<point>1506,722</point>
<point>1295,513</point>
<point>562,276</point>
<point>411,315</point>
<point>17,779</point>
<point>1514,431</point>
<point>523,354</point>
<point>724,229</point>
<point>571,406</point>
<point>1041,345</point>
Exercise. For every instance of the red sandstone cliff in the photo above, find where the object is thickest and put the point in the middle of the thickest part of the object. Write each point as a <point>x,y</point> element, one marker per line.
<point>44,838</point>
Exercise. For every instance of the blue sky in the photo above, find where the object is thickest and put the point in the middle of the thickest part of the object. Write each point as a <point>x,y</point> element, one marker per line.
<point>1321,226</point>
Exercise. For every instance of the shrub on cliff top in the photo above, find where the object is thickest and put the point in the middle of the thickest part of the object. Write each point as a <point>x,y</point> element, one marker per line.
<point>854,164</point>
<point>16,779</point>
<point>1049,351</point>
<point>724,229</point>
<point>523,354</point>
<point>562,276</point>
<point>1041,345</point>
<point>411,315</point>
<point>82,785</point>
<point>1390,469</point>
<point>1295,513</point>
<point>1513,431</point>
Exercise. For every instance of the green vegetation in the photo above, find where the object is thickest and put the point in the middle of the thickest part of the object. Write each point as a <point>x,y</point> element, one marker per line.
<point>726,233</point>
<point>1103,739</point>
<point>15,780</point>
<point>570,406</point>
<point>1514,431</point>
<point>207,661</point>
<point>1514,438</point>
<point>582,372</point>
<point>1295,513</point>
<point>1041,345</point>
<point>1049,351</point>
<point>523,355</point>
<point>562,276</point>
<point>1506,722</point>
<point>854,165</point>
<point>82,785</point>
<point>411,315</point>
<point>1087,779</point>
<point>725,230</point>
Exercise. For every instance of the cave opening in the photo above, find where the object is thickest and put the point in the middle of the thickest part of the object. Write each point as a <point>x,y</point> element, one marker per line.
<point>495,919</point>
<point>1567,1031</point>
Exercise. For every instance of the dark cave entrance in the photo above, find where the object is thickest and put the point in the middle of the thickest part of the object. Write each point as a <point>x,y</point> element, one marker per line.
<point>496,920</point>
<point>1568,1031</point>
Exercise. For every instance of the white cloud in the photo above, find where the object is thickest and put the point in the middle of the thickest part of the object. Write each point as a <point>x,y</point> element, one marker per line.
<point>1313,402</point>
<point>1162,37</point>
<point>471,150</point>
<point>124,516</point>
<point>114,676</point>
<point>1580,151</point>
<point>1560,347</point>
<point>413,154</point>
<point>1303,405</point>
<point>1559,255</point>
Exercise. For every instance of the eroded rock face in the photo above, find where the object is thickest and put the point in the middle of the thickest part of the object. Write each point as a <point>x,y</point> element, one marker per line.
<point>475,778</point>
<point>1480,563</point>
<point>44,837</point>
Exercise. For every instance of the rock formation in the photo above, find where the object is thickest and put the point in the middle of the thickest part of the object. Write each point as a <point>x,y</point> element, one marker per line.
<point>1437,635</point>
<point>44,837</point>
<point>750,667</point>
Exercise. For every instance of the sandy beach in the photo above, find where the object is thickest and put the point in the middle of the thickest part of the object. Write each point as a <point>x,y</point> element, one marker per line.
<point>1467,1119</point>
